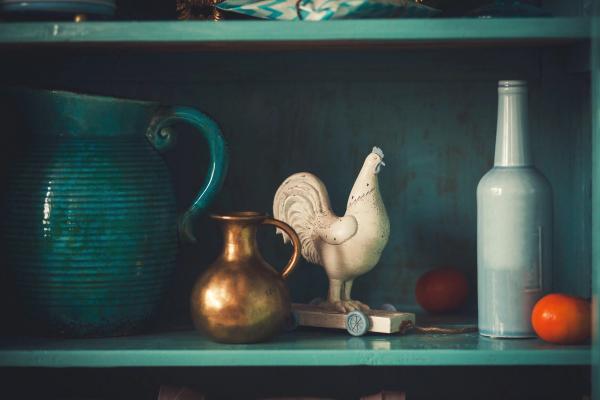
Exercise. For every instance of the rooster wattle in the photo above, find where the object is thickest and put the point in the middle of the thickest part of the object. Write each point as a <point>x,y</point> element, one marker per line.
<point>347,246</point>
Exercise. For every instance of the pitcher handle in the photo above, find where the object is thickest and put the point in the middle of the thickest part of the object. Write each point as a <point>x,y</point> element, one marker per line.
<point>162,138</point>
<point>295,241</point>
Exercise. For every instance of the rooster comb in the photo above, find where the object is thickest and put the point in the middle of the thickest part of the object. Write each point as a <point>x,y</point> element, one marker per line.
<point>378,151</point>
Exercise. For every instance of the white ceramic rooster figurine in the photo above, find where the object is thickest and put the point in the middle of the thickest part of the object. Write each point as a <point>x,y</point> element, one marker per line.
<point>347,246</point>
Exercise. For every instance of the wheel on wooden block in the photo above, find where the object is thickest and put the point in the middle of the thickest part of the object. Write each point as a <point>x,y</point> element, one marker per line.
<point>388,307</point>
<point>357,323</point>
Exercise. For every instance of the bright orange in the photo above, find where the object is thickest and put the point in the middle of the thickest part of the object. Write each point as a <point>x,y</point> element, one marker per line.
<point>562,319</point>
<point>442,290</point>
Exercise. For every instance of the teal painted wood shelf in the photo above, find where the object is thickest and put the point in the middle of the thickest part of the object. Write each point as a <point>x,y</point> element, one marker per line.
<point>407,31</point>
<point>302,348</point>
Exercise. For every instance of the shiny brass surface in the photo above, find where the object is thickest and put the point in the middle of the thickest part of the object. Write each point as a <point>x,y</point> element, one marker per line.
<point>240,298</point>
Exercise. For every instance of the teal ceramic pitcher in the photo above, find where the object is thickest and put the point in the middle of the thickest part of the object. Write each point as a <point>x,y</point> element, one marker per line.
<point>92,229</point>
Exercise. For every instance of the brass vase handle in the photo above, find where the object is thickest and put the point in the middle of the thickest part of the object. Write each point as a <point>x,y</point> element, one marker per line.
<point>295,241</point>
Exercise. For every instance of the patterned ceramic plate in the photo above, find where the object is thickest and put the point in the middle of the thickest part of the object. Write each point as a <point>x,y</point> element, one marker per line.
<point>90,7</point>
<point>319,10</point>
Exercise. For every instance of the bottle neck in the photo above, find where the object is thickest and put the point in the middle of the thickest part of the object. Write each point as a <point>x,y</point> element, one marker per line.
<point>512,136</point>
<point>239,241</point>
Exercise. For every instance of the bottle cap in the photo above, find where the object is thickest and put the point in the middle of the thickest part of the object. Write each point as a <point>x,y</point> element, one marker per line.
<point>512,86</point>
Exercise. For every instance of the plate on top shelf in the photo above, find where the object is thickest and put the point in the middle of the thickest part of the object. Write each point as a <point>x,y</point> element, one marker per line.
<point>44,7</point>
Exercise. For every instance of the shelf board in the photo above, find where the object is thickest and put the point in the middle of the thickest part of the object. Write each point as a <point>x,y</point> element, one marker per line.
<point>300,348</point>
<point>403,32</point>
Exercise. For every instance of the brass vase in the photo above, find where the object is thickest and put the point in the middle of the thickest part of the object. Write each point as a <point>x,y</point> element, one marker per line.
<point>240,298</point>
<point>198,9</point>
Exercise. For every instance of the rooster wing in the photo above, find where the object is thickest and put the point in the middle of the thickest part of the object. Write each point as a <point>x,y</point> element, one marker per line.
<point>303,203</point>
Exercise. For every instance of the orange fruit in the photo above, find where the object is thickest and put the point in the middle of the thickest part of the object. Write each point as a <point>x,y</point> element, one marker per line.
<point>442,290</point>
<point>562,319</point>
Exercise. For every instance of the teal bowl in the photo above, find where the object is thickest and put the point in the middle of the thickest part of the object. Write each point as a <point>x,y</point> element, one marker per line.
<point>105,8</point>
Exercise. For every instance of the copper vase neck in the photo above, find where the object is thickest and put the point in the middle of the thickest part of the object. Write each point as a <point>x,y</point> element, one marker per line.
<point>239,235</point>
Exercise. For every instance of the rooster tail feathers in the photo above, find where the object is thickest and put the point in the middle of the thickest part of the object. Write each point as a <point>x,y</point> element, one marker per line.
<point>302,202</point>
<point>286,238</point>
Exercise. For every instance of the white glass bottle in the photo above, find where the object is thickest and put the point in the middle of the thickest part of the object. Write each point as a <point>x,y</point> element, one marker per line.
<point>514,225</point>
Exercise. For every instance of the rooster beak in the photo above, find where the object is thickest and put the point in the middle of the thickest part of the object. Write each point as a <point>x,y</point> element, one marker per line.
<point>378,167</point>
